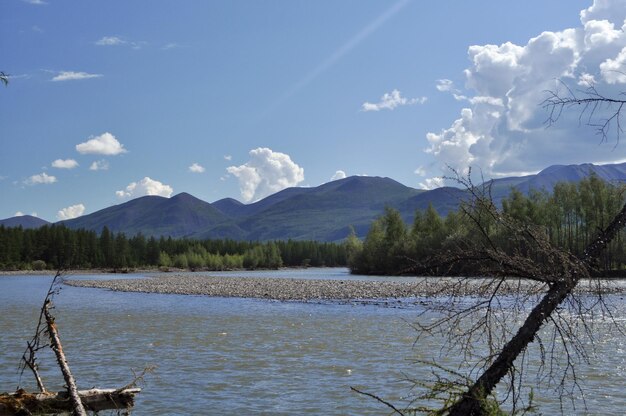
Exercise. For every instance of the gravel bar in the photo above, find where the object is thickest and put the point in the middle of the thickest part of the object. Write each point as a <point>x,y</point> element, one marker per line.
<point>305,289</point>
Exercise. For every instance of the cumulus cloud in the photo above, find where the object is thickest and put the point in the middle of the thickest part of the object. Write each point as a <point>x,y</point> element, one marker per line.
<point>265,173</point>
<point>432,183</point>
<point>146,186</point>
<point>64,164</point>
<point>340,174</point>
<point>99,165</point>
<point>195,168</point>
<point>19,214</point>
<point>105,144</point>
<point>42,178</point>
<point>70,212</point>
<point>72,76</point>
<point>391,100</point>
<point>502,129</point>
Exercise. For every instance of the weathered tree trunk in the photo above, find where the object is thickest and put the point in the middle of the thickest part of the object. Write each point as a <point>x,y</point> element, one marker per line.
<point>470,403</point>
<point>55,343</point>
<point>51,403</point>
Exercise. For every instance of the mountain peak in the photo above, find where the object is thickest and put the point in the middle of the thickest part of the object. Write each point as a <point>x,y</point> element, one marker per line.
<point>24,221</point>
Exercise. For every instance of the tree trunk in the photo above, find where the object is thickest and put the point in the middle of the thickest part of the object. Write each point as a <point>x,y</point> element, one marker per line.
<point>470,403</point>
<point>55,343</point>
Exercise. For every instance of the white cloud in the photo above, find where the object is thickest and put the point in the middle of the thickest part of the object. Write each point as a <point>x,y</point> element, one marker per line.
<point>171,45</point>
<point>110,41</point>
<point>586,80</point>
<point>146,186</point>
<point>99,165</point>
<point>195,168</point>
<point>105,144</point>
<point>19,214</point>
<point>65,164</point>
<point>614,70</point>
<point>228,157</point>
<point>42,178</point>
<point>72,76</point>
<point>340,174</point>
<point>35,2</point>
<point>432,183</point>
<point>503,129</point>
<point>445,85</point>
<point>421,171</point>
<point>71,212</point>
<point>265,173</point>
<point>119,41</point>
<point>391,100</point>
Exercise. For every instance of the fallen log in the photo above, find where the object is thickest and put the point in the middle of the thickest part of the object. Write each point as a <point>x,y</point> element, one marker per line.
<point>24,403</point>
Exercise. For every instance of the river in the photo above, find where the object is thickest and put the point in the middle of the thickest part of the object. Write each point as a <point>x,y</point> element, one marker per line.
<point>246,356</point>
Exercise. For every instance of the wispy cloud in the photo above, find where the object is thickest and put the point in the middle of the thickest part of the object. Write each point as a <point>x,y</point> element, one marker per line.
<point>391,100</point>
<point>228,157</point>
<point>119,41</point>
<point>73,76</point>
<point>99,165</point>
<point>35,2</point>
<point>172,45</point>
<point>110,41</point>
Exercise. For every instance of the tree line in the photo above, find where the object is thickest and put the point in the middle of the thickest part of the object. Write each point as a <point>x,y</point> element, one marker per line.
<point>569,217</point>
<point>56,246</point>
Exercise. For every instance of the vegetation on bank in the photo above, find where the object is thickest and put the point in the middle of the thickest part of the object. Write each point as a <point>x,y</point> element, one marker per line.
<point>570,217</point>
<point>56,246</point>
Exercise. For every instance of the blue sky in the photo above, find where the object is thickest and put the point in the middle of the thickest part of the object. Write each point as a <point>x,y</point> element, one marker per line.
<point>111,100</point>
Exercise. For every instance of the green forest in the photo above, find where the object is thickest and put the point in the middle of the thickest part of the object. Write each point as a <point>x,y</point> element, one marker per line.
<point>569,218</point>
<point>56,247</point>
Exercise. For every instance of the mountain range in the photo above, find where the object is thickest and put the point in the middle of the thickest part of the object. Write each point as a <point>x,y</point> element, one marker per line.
<point>323,213</point>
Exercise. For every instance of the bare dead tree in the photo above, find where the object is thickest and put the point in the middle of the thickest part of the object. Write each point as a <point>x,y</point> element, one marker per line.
<point>553,273</point>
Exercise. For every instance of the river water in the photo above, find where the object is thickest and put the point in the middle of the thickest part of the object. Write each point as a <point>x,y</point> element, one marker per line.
<point>245,356</point>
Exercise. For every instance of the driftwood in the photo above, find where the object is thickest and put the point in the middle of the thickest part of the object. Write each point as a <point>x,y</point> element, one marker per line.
<point>77,402</point>
<point>23,403</point>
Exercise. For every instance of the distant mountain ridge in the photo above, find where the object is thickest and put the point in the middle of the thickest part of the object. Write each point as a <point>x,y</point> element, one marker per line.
<point>323,213</point>
<point>24,221</point>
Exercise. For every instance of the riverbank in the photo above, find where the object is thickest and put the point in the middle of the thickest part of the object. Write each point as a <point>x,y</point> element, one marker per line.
<point>310,290</point>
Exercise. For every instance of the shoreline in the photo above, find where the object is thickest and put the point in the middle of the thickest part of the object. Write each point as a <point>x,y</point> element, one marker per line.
<point>304,290</point>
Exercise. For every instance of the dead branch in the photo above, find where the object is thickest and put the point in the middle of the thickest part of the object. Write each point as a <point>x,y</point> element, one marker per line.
<point>57,347</point>
<point>590,102</point>
<point>373,396</point>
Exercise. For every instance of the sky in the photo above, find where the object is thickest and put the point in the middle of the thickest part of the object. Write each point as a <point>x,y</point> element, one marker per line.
<point>112,100</point>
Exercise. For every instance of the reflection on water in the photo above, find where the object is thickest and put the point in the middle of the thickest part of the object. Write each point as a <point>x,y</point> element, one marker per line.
<point>243,356</point>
